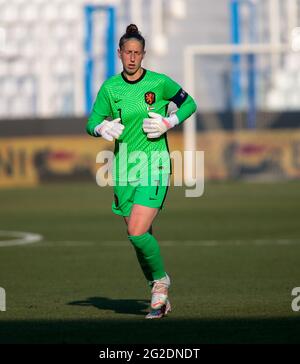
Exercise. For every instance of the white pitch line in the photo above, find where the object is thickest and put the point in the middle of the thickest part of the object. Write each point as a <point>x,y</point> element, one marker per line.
<point>214,243</point>
<point>21,238</point>
<point>170,243</point>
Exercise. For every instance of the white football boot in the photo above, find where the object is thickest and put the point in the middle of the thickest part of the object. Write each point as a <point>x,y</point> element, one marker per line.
<point>161,312</point>
<point>160,292</point>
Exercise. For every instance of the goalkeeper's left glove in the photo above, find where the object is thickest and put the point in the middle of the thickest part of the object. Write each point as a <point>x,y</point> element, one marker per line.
<point>157,125</point>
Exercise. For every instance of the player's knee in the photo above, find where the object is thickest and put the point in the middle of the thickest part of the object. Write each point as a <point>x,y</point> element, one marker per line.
<point>135,230</point>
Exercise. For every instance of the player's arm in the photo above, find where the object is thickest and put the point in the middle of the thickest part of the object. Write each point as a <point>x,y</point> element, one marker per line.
<point>186,105</point>
<point>157,124</point>
<point>97,124</point>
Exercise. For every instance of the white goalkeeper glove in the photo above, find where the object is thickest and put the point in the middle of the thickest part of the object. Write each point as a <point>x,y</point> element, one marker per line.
<point>157,125</point>
<point>109,129</point>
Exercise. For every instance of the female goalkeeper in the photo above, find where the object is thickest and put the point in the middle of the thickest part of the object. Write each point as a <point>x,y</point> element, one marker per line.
<point>131,108</point>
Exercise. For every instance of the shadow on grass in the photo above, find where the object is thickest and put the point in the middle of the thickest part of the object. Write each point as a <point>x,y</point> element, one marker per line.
<point>139,331</point>
<point>125,306</point>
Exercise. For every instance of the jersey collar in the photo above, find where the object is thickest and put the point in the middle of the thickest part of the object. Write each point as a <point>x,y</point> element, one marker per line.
<point>136,81</point>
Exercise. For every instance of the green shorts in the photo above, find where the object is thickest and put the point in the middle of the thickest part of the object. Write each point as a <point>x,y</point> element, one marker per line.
<point>151,196</point>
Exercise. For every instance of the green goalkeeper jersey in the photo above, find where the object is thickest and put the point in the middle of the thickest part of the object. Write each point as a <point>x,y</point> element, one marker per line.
<point>132,101</point>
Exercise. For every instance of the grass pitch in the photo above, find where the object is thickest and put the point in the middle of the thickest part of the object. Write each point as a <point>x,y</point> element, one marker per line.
<point>233,257</point>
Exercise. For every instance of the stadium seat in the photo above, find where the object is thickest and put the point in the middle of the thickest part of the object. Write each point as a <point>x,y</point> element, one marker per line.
<point>19,68</point>
<point>49,11</point>
<point>3,105</point>
<point>9,86</point>
<point>69,12</point>
<point>9,12</point>
<point>61,67</point>
<point>21,106</point>
<point>19,33</point>
<point>274,100</point>
<point>27,86</point>
<point>3,69</point>
<point>29,12</point>
<point>28,49</point>
<point>59,31</point>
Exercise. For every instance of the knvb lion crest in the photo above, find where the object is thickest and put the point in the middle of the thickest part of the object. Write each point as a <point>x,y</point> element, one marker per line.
<point>150,98</point>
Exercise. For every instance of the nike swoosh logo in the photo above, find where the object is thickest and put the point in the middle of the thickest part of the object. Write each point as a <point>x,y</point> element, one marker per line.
<point>116,101</point>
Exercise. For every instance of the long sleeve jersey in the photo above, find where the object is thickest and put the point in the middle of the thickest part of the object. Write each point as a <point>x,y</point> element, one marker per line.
<point>132,101</point>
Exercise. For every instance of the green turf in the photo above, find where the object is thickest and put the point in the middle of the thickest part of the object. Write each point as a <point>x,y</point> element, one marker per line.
<point>233,256</point>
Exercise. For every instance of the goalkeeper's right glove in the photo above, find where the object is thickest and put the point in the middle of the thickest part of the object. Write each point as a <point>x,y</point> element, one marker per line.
<point>109,129</point>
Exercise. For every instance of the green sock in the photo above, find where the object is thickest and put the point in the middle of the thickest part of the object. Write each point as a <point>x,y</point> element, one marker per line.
<point>148,253</point>
<point>144,265</point>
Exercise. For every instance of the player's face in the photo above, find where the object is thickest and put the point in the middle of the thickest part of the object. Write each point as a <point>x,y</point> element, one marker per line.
<point>131,55</point>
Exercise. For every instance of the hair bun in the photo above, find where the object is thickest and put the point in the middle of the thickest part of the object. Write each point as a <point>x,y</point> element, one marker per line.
<point>132,32</point>
<point>132,29</point>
